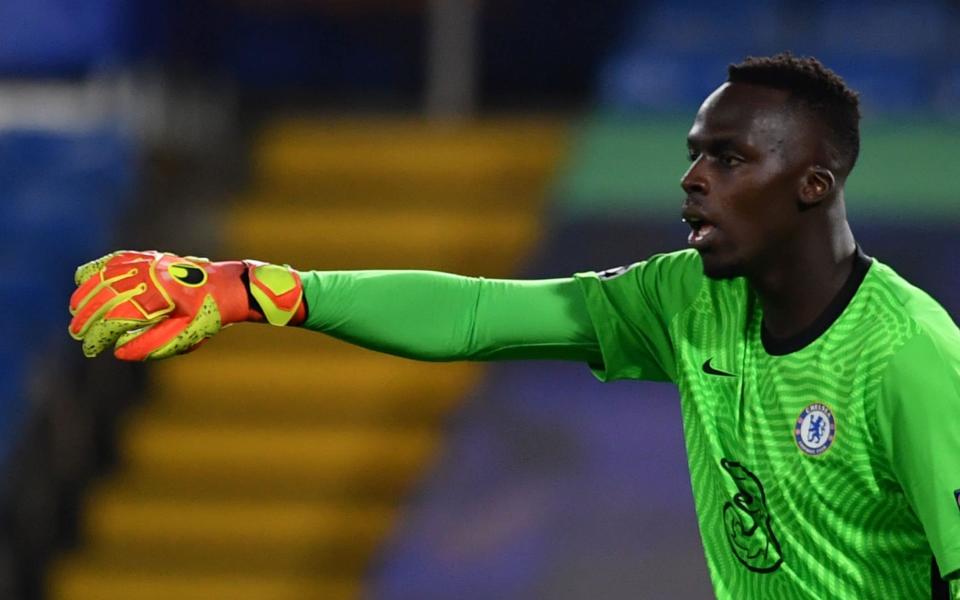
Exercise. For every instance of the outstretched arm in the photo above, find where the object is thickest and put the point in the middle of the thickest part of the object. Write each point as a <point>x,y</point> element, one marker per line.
<point>436,316</point>
<point>150,305</point>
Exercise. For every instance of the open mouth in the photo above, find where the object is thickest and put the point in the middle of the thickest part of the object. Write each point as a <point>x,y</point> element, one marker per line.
<point>700,230</point>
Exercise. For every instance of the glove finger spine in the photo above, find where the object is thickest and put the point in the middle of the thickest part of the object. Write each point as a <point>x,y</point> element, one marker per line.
<point>82,322</point>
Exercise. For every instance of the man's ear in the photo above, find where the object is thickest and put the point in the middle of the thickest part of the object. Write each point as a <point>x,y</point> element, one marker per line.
<point>816,185</point>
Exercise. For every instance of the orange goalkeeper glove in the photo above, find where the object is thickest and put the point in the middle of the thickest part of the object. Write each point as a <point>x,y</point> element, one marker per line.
<point>152,305</point>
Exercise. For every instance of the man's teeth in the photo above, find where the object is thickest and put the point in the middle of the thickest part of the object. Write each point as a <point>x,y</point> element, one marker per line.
<point>701,230</point>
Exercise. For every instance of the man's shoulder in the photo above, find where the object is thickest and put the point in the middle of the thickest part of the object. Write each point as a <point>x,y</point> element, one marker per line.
<point>677,262</point>
<point>675,281</point>
<point>680,275</point>
<point>670,269</point>
<point>687,258</point>
<point>906,308</point>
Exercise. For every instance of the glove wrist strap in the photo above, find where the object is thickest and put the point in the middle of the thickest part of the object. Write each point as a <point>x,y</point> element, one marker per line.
<point>277,291</point>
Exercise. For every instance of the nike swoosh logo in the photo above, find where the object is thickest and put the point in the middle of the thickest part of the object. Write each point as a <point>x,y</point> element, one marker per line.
<point>709,370</point>
<point>190,275</point>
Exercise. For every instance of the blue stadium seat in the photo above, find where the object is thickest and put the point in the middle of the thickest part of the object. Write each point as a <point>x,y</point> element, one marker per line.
<point>673,53</point>
<point>653,81</point>
<point>888,28</point>
<point>947,92</point>
<point>29,301</point>
<point>13,403</point>
<point>62,195</point>
<point>103,159</point>
<point>688,27</point>
<point>50,224</point>
<point>19,317</point>
<point>64,39</point>
<point>891,84</point>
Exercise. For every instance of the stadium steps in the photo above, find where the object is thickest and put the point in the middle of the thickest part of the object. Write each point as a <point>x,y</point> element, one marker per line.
<point>332,459</point>
<point>273,463</point>
<point>359,386</point>
<point>263,536</point>
<point>439,238</point>
<point>93,580</point>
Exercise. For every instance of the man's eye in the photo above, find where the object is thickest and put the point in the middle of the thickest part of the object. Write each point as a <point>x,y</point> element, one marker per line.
<point>730,160</point>
<point>692,155</point>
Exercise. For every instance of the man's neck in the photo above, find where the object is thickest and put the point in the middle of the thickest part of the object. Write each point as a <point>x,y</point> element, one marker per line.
<point>797,288</point>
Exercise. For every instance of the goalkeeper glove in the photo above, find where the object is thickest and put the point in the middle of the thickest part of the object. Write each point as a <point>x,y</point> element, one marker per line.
<point>152,305</point>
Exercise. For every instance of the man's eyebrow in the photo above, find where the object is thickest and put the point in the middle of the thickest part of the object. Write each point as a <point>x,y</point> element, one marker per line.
<point>714,143</point>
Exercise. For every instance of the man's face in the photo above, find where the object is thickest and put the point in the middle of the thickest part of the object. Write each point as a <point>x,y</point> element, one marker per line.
<point>748,150</point>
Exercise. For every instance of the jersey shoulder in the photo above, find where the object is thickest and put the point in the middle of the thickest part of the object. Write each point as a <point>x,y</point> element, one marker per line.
<point>669,280</point>
<point>633,308</point>
<point>903,306</point>
<point>678,275</point>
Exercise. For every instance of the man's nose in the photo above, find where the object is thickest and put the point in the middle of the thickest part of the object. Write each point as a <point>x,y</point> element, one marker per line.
<point>693,181</point>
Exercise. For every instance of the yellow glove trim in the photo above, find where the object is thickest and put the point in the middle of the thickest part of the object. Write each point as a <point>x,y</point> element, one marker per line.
<point>205,324</point>
<point>95,267</point>
<point>279,280</point>
<point>107,306</point>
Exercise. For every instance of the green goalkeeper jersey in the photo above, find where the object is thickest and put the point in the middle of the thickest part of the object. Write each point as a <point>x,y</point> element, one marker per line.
<point>823,466</point>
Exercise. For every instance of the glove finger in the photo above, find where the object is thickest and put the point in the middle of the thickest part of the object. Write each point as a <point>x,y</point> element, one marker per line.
<point>121,257</point>
<point>104,333</point>
<point>171,337</point>
<point>96,307</point>
<point>84,293</point>
<point>142,343</point>
<point>92,284</point>
<point>204,326</point>
<point>87,270</point>
<point>82,313</point>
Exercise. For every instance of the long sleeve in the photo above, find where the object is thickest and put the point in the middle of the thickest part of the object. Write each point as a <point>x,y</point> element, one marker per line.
<point>441,317</point>
<point>919,422</point>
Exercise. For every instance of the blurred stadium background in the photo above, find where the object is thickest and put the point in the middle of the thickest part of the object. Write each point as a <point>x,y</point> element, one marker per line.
<point>504,139</point>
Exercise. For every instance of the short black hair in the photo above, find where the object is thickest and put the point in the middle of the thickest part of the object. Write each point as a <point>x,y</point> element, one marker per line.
<point>824,93</point>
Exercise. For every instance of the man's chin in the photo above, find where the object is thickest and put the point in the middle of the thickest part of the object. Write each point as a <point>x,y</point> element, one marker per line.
<point>714,268</point>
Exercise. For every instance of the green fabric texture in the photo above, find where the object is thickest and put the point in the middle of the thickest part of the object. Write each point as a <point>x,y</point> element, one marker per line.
<point>650,292</point>
<point>858,515</point>
<point>441,317</point>
<point>919,424</point>
<point>631,166</point>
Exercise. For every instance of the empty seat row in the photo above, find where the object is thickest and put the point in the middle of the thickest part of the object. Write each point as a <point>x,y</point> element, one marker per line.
<point>900,56</point>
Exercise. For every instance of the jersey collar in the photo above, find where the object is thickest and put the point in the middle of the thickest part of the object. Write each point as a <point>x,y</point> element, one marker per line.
<point>785,345</point>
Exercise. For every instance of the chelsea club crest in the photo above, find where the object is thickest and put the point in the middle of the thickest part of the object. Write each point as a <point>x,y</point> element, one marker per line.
<point>815,429</point>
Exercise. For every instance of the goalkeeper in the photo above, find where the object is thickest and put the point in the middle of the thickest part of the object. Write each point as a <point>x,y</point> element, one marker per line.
<point>820,391</point>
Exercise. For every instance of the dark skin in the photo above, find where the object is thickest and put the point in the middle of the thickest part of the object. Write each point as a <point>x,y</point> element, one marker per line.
<point>765,202</point>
